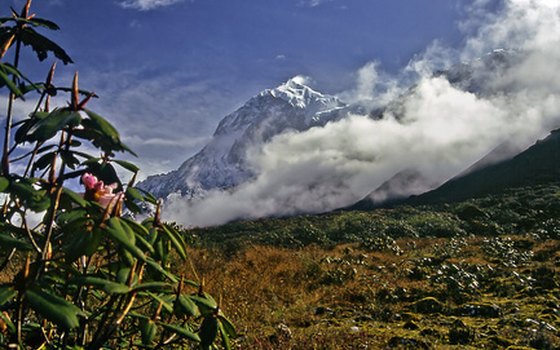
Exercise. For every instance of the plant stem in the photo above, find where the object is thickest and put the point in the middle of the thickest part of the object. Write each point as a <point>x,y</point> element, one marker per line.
<point>10,116</point>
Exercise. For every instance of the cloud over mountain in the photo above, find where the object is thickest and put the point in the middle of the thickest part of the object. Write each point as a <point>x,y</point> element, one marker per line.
<point>439,127</point>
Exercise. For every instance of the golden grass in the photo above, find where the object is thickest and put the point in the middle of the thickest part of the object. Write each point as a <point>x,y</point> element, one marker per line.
<point>350,298</point>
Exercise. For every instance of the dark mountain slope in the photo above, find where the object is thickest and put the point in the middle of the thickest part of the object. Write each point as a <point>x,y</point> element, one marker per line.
<point>539,164</point>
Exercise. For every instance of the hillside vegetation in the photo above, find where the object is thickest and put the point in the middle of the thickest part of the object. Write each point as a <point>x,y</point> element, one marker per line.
<point>481,273</point>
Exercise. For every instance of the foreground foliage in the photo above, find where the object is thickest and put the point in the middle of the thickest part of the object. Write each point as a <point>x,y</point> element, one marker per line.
<point>77,270</point>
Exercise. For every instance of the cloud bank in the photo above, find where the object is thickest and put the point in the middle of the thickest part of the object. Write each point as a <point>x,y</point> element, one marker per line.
<point>146,5</point>
<point>436,128</point>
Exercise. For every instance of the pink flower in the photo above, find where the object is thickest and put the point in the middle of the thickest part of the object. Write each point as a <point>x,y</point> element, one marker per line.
<point>97,191</point>
<point>89,181</point>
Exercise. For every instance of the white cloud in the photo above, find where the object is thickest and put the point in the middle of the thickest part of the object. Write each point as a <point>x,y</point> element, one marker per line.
<point>145,5</point>
<point>313,3</point>
<point>437,128</point>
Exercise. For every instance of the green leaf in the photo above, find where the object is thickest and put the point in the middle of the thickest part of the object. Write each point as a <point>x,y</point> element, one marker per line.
<point>69,159</point>
<point>108,286</point>
<point>26,88</point>
<point>127,165</point>
<point>154,265</point>
<point>184,305</point>
<point>5,80</point>
<point>208,331</point>
<point>75,197</point>
<point>125,257</point>
<point>228,326</point>
<point>21,133</point>
<point>148,196</point>
<point>82,242</point>
<point>148,330</point>
<point>160,253</point>
<point>43,23</point>
<point>177,241</point>
<point>8,322</point>
<point>120,232</point>
<point>158,287</point>
<point>141,232</point>
<point>45,161</point>
<point>122,274</point>
<point>102,134</point>
<point>54,308</point>
<point>225,337</point>
<point>48,127</point>
<point>72,216</point>
<point>34,199</point>
<point>206,303</point>
<point>159,300</point>
<point>8,242</point>
<point>134,194</point>
<point>182,332</point>
<point>101,125</point>
<point>6,295</point>
<point>4,184</point>
<point>42,45</point>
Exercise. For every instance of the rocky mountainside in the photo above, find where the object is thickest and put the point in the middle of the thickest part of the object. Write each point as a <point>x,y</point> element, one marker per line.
<point>222,164</point>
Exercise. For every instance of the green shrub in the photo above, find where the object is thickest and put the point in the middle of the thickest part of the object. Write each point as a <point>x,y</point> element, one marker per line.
<point>86,274</point>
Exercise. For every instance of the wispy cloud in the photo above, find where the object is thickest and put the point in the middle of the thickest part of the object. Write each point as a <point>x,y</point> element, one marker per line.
<point>146,5</point>
<point>312,3</point>
<point>436,128</point>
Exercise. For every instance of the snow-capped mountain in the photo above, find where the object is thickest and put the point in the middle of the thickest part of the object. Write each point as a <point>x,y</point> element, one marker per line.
<point>222,164</point>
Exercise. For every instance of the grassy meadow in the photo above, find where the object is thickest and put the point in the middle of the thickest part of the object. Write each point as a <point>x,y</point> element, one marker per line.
<point>479,274</point>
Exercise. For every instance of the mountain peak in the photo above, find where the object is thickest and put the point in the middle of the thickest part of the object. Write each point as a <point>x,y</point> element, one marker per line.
<point>296,92</point>
<point>223,163</point>
<point>296,82</point>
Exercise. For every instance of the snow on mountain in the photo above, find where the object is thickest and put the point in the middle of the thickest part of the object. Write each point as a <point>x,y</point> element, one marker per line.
<point>222,164</point>
<point>294,106</point>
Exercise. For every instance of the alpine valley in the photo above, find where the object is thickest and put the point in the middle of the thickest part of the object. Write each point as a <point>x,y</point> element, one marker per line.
<point>472,264</point>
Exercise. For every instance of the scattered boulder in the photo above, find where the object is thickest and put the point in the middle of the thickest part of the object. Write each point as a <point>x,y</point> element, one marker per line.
<point>284,331</point>
<point>459,333</point>
<point>428,305</point>
<point>321,310</point>
<point>479,310</point>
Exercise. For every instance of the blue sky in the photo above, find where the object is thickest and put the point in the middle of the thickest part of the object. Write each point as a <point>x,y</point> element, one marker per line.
<point>168,70</point>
